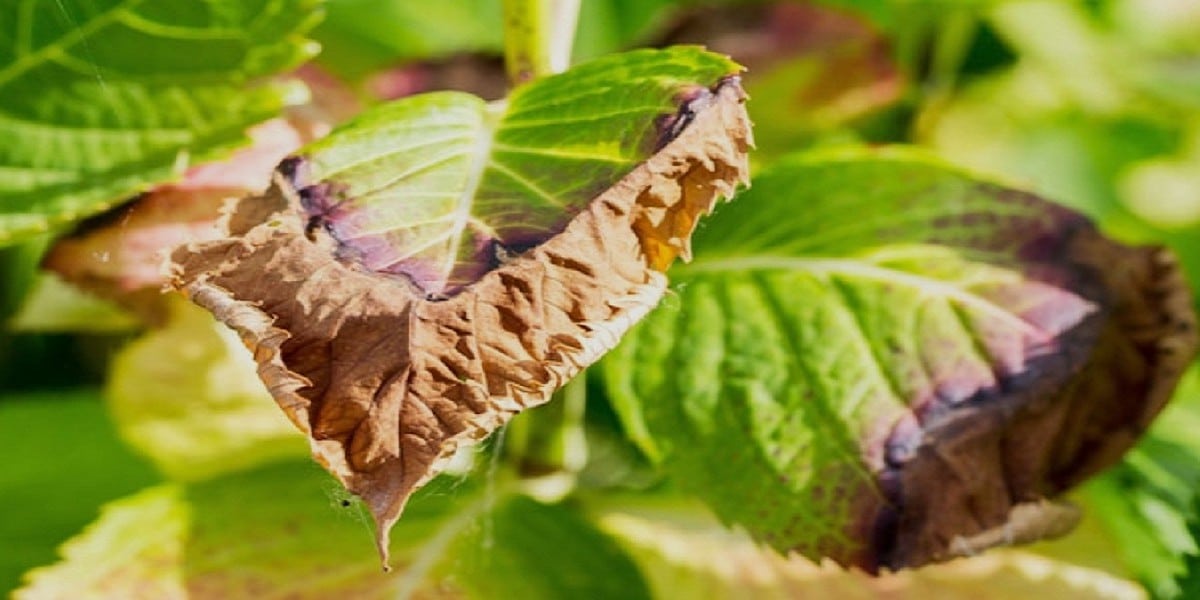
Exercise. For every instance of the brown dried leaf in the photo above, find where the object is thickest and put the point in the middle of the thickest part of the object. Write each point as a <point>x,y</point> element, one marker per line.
<point>387,383</point>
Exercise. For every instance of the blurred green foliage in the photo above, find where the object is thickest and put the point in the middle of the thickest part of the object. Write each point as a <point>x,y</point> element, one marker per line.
<point>1095,104</point>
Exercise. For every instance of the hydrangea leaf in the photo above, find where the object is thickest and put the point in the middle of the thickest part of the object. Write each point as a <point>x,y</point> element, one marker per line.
<point>103,98</point>
<point>439,264</point>
<point>882,360</point>
<point>442,187</point>
<point>274,529</point>
<point>685,553</point>
<point>119,255</point>
<point>187,396</point>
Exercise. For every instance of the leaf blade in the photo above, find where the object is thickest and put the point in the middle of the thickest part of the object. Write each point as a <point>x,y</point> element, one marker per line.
<point>871,307</point>
<point>93,123</point>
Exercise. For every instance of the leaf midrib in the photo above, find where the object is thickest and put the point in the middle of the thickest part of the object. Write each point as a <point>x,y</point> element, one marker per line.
<point>864,270</point>
<point>491,117</point>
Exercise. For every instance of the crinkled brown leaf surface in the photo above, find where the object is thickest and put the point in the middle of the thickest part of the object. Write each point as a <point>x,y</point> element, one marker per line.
<point>439,264</point>
<point>882,360</point>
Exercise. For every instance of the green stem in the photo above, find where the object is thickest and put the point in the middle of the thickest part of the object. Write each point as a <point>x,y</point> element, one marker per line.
<point>549,440</point>
<point>538,35</point>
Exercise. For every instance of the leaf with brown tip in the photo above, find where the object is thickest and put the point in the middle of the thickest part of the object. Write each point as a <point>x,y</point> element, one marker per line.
<point>404,294</point>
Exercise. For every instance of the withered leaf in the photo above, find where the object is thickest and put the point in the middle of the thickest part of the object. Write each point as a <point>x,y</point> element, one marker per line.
<point>393,321</point>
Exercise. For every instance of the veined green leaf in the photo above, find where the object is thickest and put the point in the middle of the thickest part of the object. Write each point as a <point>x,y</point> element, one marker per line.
<point>274,529</point>
<point>100,99</point>
<point>867,342</point>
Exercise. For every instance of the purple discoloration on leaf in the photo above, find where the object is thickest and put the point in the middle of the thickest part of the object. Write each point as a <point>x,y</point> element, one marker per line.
<point>1105,332</point>
<point>443,255</point>
<point>691,103</point>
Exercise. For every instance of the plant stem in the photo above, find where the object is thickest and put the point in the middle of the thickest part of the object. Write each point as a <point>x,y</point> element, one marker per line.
<point>549,440</point>
<point>538,35</point>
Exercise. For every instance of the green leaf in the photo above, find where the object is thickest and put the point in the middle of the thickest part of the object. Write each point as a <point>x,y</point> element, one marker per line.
<point>847,317</point>
<point>273,529</point>
<point>1147,505</point>
<point>361,36</point>
<point>187,396</point>
<point>546,551</point>
<point>63,460</point>
<point>1189,582</point>
<point>101,99</point>
<point>687,554</point>
<point>510,174</point>
<point>54,305</point>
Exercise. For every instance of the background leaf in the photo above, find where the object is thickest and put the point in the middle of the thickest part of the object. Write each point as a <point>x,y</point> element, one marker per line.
<point>361,36</point>
<point>100,99</point>
<point>272,528</point>
<point>64,459</point>
<point>187,395</point>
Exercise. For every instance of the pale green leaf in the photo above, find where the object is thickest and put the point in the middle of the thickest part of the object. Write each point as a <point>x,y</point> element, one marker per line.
<point>101,99</point>
<point>53,305</point>
<point>686,554</point>
<point>187,396</point>
<point>273,530</point>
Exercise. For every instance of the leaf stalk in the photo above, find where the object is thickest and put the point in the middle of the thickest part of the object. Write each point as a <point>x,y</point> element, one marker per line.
<point>538,36</point>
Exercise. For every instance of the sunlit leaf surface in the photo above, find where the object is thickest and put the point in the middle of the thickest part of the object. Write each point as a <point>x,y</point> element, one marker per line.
<point>101,99</point>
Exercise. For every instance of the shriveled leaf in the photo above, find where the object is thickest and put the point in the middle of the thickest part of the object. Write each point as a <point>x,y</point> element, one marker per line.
<point>881,360</point>
<point>439,264</point>
<point>101,99</point>
<point>274,530</point>
<point>188,397</point>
